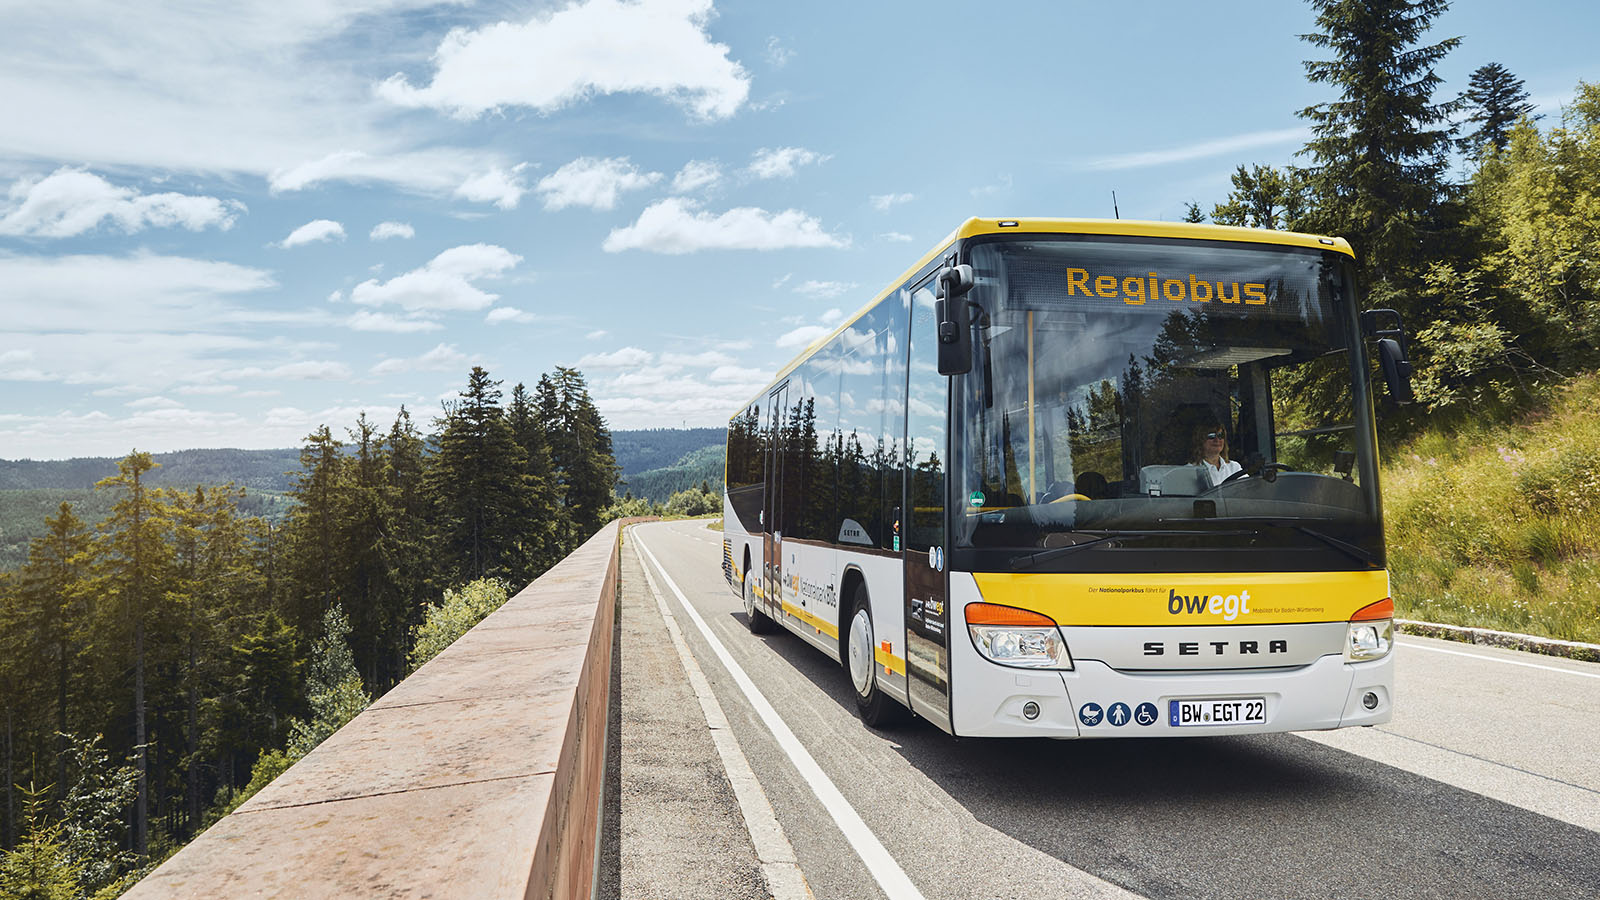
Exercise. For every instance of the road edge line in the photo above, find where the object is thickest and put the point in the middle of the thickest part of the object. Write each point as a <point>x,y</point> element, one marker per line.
<point>779,866</point>
<point>880,864</point>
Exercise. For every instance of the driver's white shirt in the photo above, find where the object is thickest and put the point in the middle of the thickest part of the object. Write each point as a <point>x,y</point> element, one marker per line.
<point>1219,473</point>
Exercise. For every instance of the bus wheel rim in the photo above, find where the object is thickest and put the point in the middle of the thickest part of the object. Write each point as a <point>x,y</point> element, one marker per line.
<point>749,598</point>
<point>861,652</point>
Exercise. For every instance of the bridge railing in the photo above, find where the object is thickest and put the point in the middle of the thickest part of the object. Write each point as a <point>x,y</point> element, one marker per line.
<point>478,776</point>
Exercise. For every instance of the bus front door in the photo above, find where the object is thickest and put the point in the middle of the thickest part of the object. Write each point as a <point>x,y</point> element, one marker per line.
<point>772,512</point>
<point>922,520</point>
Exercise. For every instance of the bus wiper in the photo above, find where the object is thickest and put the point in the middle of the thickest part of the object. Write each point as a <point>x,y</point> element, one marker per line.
<point>1031,560</point>
<point>1349,548</point>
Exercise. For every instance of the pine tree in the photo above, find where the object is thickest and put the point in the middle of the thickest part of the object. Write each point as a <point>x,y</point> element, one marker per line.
<point>1496,101</point>
<point>1378,151</point>
<point>410,514</point>
<point>1192,213</point>
<point>136,560</point>
<point>540,525</point>
<point>38,869</point>
<point>581,453</point>
<point>54,583</point>
<point>314,567</point>
<point>477,482</point>
<point>363,537</point>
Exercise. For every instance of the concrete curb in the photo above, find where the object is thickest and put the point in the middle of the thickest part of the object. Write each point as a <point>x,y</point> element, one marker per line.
<point>1508,639</point>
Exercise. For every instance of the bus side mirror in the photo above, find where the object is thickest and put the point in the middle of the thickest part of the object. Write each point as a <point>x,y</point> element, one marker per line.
<point>1396,371</point>
<point>954,323</point>
<point>1392,356</point>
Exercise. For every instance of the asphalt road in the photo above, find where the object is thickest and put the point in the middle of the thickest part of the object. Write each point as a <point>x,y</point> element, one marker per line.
<point>1486,784</point>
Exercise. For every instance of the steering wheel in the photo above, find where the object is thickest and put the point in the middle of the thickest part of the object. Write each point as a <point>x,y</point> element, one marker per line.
<point>1269,471</point>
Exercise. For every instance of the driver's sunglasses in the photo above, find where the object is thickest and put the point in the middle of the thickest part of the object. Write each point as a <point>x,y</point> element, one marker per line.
<point>1216,435</point>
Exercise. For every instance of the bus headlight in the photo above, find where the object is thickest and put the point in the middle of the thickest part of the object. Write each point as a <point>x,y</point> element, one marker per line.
<point>1371,632</point>
<point>1017,637</point>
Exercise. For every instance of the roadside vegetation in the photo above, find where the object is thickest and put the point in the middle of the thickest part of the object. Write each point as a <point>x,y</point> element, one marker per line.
<point>1498,525</point>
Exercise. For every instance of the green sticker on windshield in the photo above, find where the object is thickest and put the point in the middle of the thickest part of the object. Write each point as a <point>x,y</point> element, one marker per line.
<point>976,499</point>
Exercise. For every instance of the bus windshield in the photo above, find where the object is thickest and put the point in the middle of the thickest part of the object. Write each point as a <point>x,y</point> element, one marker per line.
<point>1139,395</point>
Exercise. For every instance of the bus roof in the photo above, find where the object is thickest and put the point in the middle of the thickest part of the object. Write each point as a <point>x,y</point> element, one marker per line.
<point>1128,227</point>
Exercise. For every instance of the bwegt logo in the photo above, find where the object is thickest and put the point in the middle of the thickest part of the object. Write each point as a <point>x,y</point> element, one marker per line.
<point>1229,607</point>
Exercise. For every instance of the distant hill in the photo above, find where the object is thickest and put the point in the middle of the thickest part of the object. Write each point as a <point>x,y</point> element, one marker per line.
<point>658,461</point>
<point>655,462</point>
<point>262,470</point>
<point>657,448</point>
<point>659,484</point>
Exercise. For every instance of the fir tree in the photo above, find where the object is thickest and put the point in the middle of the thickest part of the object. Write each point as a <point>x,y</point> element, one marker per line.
<point>1378,151</point>
<point>137,566</point>
<point>478,481</point>
<point>1496,101</point>
<point>54,582</point>
<point>39,868</point>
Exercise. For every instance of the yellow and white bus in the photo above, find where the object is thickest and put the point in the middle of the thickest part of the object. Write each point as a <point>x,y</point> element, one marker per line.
<point>1084,478</point>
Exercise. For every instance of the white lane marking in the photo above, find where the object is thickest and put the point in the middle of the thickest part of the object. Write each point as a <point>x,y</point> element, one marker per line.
<point>1509,662</point>
<point>874,855</point>
<point>779,866</point>
<point>1536,793</point>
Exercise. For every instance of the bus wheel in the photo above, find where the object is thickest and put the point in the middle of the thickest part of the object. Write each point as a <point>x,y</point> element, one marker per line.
<point>754,619</point>
<point>877,709</point>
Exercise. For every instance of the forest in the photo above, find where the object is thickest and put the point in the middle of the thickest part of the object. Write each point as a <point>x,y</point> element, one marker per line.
<point>159,665</point>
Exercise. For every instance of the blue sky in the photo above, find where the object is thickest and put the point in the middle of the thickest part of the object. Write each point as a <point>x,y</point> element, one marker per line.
<point>225,223</point>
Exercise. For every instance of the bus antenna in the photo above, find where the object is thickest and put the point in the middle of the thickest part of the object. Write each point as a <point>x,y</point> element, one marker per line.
<point>1114,211</point>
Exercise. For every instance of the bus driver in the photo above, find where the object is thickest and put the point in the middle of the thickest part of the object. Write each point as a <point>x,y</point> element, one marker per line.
<point>1211,454</point>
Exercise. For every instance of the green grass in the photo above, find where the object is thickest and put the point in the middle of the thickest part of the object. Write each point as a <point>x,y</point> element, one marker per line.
<point>1498,526</point>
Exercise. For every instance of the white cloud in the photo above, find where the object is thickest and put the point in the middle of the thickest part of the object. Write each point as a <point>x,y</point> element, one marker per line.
<point>705,359</point>
<point>885,202</point>
<point>676,225</point>
<point>782,162</point>
<point>824,289</point>
<point>1001,185</point>
<point>595,47</point>
<point>626,358</point>
<point>246,87</point>
<point>314,231</point>
<point>737,375</point>
<point>778,55</point>
<point>302,370</point>
<point>1200,150</point>
<point>802,336</point>
<point>593,182</point>
<point>386,230</point>
<point>444,284</point>
<point>470,174</point>
<point>442,358</point>
<point>71,201</point>
<point>156,402</point>
<point>367,320</point>
<point>596,334</point>
<point>696,174</point>
<point>143,292</point>
<point>498,186</point>
<point>895,237</point>
<point>833,317</point>
<point>509,314</point>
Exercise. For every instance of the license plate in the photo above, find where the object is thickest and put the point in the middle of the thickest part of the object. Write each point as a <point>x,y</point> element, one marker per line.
<point>1232,711</point>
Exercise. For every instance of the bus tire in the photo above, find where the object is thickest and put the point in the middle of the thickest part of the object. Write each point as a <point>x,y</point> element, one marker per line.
<point>754,619</point>
<point>877,709</point>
